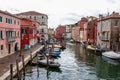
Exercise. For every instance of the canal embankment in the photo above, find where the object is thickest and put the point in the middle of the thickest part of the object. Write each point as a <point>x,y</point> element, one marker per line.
<point>10,65</point>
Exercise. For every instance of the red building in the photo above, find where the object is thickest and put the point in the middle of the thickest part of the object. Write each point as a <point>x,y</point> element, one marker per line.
<point>59,32</point>
<point>28,33</point>
<point>81,28</point>
<point>90,30</point>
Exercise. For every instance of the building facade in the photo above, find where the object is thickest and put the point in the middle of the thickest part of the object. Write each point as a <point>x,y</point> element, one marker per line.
<point>90,30</point>
<point>9,33</point>
<point>39,17</point>
<point>51,33</point>
<point>28,33</point>
<point>60,30</point>
<point>68,34</point>
<point>81,25</point>
<point>108,31</point>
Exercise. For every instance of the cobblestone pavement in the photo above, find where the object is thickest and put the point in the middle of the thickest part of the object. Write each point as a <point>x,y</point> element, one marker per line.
<point>11,59</point>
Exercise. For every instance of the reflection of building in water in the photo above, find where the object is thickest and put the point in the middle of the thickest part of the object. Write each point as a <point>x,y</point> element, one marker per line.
<point>80,52</point>
<point>106,70</point>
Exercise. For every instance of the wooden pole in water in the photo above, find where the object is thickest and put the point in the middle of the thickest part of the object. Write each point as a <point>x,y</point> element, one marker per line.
<point>47,59</point>
<point>17,66</point>
<point>11,71</point>
<point>23,64</point>
<point>30,58</point>
<point>37,59</point>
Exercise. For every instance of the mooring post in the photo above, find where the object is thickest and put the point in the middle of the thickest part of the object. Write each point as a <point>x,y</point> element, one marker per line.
<point>23,64</point>
<point>11,71</point>
<point>47,55</point>
<point>30,57</point>
<point>37,59</point>
<point>17,67</point>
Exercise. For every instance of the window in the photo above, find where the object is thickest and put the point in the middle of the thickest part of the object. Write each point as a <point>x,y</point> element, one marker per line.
<point>18,34</point>
<point>42,30</point>
<point>116,22</point>
<point>23,31</point>
<point>1,35</point>
<point>9,21</point>
<point>30,17</point>
<point>0,19</point>
<point>34,17</point>
<point>1,47</point>
<point>31,31</point>
<point>14,21</point>
<point>43,23</point>
<point>9,34</point>
<point>42,17</point>
<point>18,22</point>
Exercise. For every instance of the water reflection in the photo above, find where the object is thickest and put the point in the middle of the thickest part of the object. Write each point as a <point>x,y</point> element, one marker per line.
<point>107,70</point>
<point>76,64</point>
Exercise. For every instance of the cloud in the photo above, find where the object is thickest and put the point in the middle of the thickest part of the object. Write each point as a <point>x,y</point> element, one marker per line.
<point>112,1</point>
<point>74,14</point>
<point>62,11</point>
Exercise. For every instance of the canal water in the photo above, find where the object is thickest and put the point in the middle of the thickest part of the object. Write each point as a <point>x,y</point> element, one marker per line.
<point>76,64</point>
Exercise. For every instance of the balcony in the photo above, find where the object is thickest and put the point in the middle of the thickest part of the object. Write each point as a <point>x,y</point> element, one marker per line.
<point>11,39</point>
<point>104,39</point>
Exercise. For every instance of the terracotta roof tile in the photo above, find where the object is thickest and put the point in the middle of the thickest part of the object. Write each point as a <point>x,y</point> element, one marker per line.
<point>31,13</point>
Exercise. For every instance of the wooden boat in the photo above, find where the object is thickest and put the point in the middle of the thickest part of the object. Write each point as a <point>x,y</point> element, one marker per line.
<point>112,55</point>
<point>51,64</point>
<point>55,45</point>
<point>56,52</point>
<point>94,50</point>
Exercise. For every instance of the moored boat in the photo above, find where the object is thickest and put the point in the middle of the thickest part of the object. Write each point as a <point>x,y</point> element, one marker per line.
<point>50,63</point>
<point>112,55</point>
<point>94,50</point>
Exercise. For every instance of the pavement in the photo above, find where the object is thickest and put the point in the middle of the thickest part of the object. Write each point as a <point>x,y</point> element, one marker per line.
<point>11,59</point>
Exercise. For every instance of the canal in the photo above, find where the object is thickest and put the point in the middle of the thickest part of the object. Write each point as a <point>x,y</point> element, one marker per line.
<point>76,64</point>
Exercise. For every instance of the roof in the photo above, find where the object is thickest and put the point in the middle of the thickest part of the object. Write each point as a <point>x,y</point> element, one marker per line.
<point>114,15</point>
<point>9,14</point>
<point>31,13</point>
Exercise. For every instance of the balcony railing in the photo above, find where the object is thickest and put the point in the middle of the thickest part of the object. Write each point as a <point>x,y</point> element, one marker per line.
<point>11,39</point>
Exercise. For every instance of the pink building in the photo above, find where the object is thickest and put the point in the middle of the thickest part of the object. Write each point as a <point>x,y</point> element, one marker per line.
<point>77,34</point>
<point>9,33</point>
<point>85,32</point>
<point>81,25</point>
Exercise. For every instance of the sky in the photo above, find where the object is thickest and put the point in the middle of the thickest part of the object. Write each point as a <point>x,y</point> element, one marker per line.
<point>62,11</point>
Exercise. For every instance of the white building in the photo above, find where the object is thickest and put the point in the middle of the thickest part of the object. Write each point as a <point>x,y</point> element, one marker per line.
<point>39,17</point>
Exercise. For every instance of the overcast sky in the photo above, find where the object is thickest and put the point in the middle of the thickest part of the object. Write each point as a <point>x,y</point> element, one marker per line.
<point>62,11</point>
